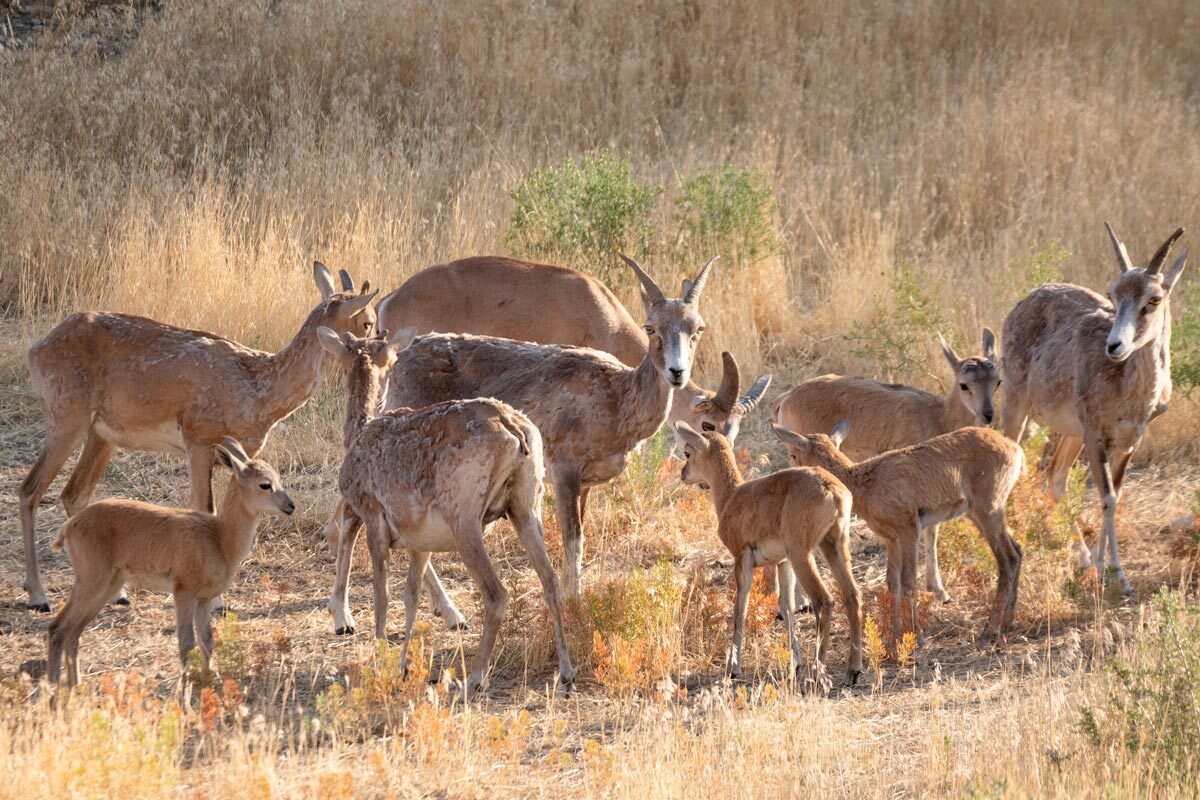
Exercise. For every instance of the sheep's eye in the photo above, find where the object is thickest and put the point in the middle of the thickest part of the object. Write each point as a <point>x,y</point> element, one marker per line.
<point>266,487</point>
<point>649,328</point>
<point>964,387</point>
<point>707,426</point>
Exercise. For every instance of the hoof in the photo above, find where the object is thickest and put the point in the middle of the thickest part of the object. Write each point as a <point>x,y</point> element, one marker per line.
<point>348,630</point>
<point>122,601</point>
<point>988,640</point>
<point>804,609</point>
<point>813,682</point>
<point>564,684</point>
<point>461,625</point>
<point>41,608</point>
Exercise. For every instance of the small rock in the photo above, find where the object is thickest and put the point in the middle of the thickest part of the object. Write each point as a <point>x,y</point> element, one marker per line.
<point>1185,523</point>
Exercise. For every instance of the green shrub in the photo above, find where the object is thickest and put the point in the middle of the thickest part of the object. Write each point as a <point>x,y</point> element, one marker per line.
<point>1043,264</point>
<point>1152,707</point>
<point>580,212</point>
<point>729,212</point>
<point>896,339</point>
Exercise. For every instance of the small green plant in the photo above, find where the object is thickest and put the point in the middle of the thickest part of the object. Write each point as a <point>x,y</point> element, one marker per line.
<point>582,211</point>
<point>1152,706</point>
<point>652,466</point>
<point>230,648</point>
<point>634,627</point>
<point>896,339</point>
<point>729,211</point>
<point>1185,338</point>
<point>1043,263</point>
<point>379,693</point>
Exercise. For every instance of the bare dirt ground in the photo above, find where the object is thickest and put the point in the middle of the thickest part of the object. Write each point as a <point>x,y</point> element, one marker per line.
<point>281,591</point>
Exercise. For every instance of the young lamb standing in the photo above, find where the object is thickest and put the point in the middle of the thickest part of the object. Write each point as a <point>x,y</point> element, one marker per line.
<point>192,554</point>
<point>779,519</point>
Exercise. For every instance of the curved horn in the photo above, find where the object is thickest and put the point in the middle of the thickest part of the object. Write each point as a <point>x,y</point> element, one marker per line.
<point>1119,247</point>
<point>727,393</point>
<point>1160,255</point>
<point>692,295</point>
<point>750,400</point>
<point>347,281</point>
<point>653,293</point>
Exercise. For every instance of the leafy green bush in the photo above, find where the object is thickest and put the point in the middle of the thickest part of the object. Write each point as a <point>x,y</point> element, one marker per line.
<point>1152,706</point>
<point>896,339</point>
<point>581,211</point>
<point>1043,264</point>
<point>728,211</point>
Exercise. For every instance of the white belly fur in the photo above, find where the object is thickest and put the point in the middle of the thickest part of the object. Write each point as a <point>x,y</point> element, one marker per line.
<point>1063,420</point>
<point>165,438</point>
<point>433,535</point>
<point>770,552</point>
<point>157,583</point>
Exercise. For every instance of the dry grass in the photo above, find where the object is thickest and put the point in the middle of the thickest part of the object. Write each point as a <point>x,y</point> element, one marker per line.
<point>189,164</point>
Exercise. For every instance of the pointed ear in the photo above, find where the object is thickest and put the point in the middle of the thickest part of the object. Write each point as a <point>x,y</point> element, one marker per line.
<point>839,432</point>
<point>788,436</point>
<point>948,352</point>
<point>401,338</point>
<point>323,278</point>
<point>689,435</point>
<point>231,454</point>
<point>1175,270</point>
<point>331,341</point>
<point>989,344</point>
<point>355,305</point>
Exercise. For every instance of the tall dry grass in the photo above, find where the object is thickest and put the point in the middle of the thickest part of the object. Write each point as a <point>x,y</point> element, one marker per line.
<point>195,175</point>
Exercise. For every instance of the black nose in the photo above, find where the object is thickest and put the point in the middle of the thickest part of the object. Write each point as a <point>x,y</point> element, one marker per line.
<point>1113,347</point>
<point>290,508</point>
<point>987,417</point>
<point>677,374</point>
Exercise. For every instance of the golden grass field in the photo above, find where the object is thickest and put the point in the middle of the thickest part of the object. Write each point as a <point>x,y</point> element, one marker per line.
<point>190,164</point>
